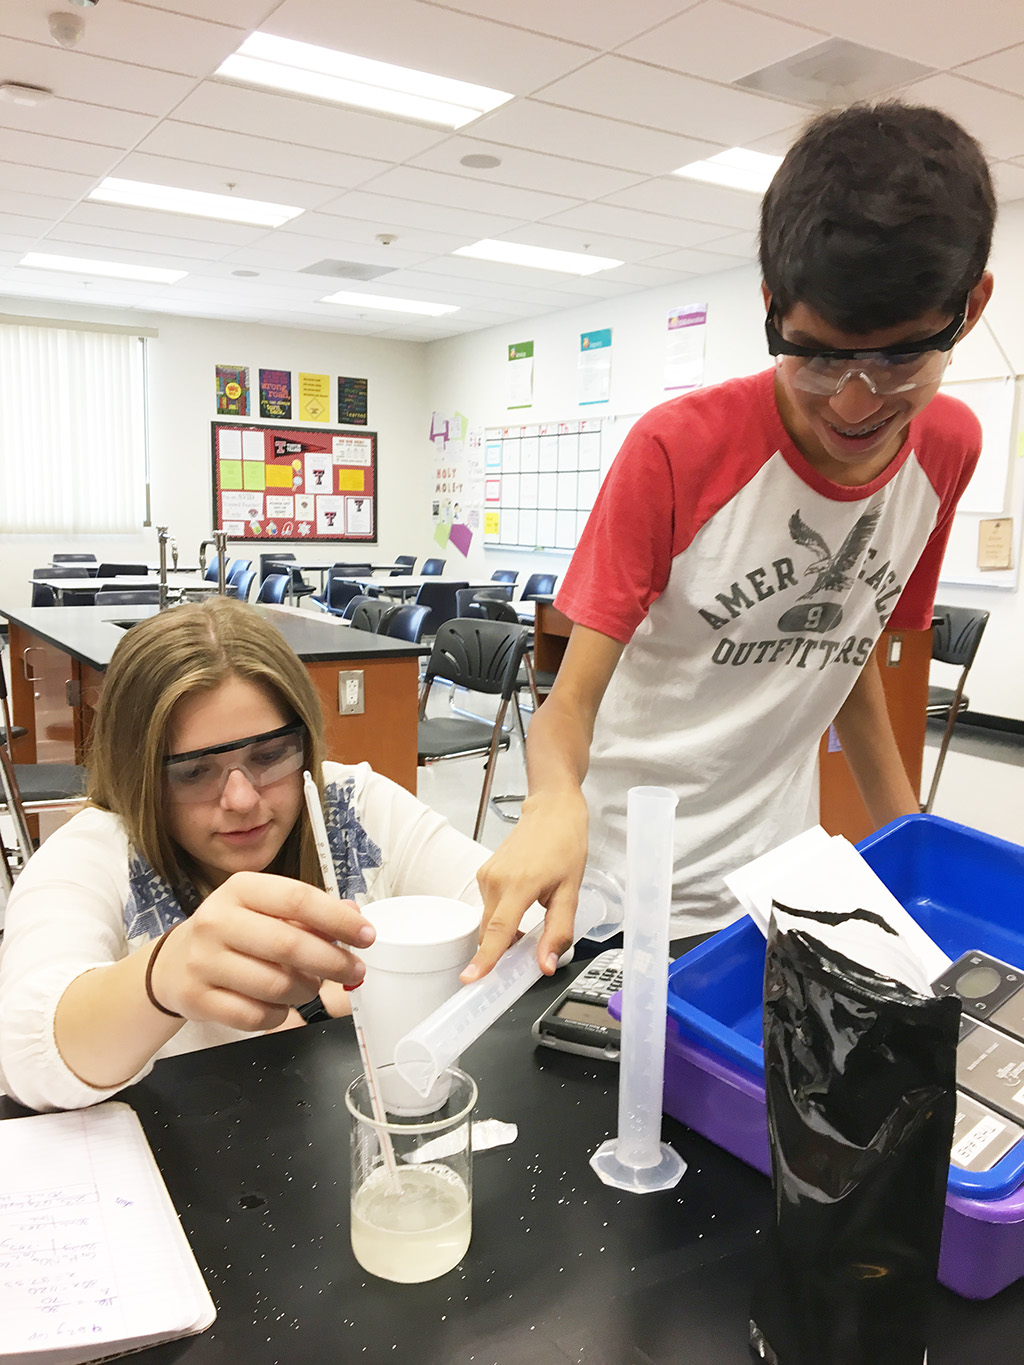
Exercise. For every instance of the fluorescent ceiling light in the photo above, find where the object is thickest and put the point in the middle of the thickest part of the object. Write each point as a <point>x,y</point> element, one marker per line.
<point>116,270</point>
<point>389,305</point>
<point>537,257</point>
<point>737,169</point>
<point>324,74</point>
<point>197,203</point>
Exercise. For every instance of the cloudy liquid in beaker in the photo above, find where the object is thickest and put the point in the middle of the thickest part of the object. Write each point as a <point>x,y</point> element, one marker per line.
<point>412,1226</point>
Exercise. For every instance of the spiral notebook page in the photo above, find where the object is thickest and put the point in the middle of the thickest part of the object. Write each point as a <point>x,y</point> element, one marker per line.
<point>93,1260</point>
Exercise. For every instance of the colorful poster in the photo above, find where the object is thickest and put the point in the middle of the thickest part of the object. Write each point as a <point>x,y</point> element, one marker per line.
<point>594,373</point>
<point>520,375</point>
<point>314,397</point>
<point>276,394</point>
<point>351,402</point>
<point>233,390</point>
<point>684,355</point>
<point>290,483</point>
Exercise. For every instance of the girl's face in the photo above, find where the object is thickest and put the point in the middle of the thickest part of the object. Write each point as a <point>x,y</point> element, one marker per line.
<point>243,829</point>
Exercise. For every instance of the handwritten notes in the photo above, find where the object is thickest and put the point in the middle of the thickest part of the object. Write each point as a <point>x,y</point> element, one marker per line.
<point>92,1256</point>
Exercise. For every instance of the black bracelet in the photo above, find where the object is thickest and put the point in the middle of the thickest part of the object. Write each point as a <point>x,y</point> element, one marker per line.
<point>314,1011</point>
<point>149,975</point>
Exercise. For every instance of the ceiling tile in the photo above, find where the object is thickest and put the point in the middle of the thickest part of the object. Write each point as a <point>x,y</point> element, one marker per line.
<point>282,118</point>
<point>32,149</point>
<point>994,117</point>
<point>603,25</point>
<point>128,243</point>
<point>691,199</point>
<point>43,180</point>
<point>170,225</point>
<point>391,215</point>
<point>644,227</point>
<point>219,179</point>
<point>588,137</point>
<point>247,14</point>
<point>1003,69</point>
<point>940,33</point>
<point>697,262</point>
<point>460,191</point>
<point>81,124</point>
<point>721,42</point>
<point>561,237</point>
<point>427,38</point>
<point>77,76</point>
<point>526,169</point>
<point>1009,181</point>
<point>675,103</point>
<point>189,142</point>
<point>360,238</point>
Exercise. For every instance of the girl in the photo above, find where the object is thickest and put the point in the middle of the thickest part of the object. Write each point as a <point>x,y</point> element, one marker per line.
<point>183,907</point>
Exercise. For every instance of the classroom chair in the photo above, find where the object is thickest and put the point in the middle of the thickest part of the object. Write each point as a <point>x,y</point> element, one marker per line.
<point>440,598</point>
<point>243,584</point>
<point>123,571</point>
<point>274,588</point>
<point>956,636</point>
<point>32,788</point>
<point>44,596</point>
<point>210,573</point>
<point>407,563</point>
<point>299,586</point>
<point>368,614</point>
<point>538,585</point>
<point>480,656</point>
<point>353,604</point>
<point>236,568</point>
<point>432,567</point>
<point>504,575</point>
<point>405,622</point>
<point>338,592</point>
<point>72,559</point>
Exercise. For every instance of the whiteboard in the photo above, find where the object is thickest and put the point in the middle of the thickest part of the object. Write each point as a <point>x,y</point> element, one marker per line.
<point>990,492</point>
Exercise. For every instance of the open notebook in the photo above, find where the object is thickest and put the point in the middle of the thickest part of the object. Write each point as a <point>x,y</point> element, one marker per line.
<point>93,1260</point>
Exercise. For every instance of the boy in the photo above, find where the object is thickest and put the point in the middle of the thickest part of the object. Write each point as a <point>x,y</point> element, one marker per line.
<point>753,539</point>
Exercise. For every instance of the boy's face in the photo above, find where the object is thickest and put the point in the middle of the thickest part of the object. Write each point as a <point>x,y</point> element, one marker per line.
<point>852,435</point>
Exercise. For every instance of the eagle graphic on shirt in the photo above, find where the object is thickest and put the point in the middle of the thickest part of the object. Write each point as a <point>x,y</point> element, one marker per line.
<point>832,572</point>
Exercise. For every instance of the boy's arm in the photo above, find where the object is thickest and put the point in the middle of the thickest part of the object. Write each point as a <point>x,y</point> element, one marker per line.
<point>544,857</point>
<point>866,734</point>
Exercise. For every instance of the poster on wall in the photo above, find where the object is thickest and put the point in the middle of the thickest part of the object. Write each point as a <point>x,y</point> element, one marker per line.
<point>457,487</point>
<point>520,375</point>
<point>352,402</point>
<point>294,483</point>
<point>314,398</point>
<point>594,373</point>
<point>233,390</point>
<point>684,353</point>
<point>276,394</point>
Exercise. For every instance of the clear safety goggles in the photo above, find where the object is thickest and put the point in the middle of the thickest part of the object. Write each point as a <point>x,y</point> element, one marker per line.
<point>893,369</point>
<point>202,774</point>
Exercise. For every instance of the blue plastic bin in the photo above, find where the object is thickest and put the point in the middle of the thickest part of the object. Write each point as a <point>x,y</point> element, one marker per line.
<point>964,888</point>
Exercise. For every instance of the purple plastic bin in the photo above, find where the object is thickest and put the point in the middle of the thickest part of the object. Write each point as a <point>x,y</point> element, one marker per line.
<point>982,1240</point>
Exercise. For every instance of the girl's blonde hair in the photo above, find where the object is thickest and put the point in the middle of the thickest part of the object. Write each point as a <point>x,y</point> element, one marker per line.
<point>160,661</point>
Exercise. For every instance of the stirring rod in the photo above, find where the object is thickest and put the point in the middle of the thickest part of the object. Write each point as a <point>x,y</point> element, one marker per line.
<point>323,853</point>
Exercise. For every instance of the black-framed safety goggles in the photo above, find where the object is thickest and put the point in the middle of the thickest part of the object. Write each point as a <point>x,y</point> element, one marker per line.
<point>201,774</point>
<point>889,369</point>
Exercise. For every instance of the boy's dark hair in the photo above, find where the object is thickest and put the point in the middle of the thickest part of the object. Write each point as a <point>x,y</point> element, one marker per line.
<point>878,214</point>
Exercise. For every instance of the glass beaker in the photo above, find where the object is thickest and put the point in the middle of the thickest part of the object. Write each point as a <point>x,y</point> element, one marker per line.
<point>412,1183</point>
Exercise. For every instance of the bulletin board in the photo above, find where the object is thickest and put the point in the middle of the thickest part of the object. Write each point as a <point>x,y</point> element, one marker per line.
<point>294,483</point>
<point>540,482</point>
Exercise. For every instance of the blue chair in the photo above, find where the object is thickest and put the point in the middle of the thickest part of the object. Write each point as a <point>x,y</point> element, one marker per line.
<point>44,596</point>
<point>210,576</point>
<point>243,584</point>
<point>405,622</point>
<point>337,595</point>
<point>277,563</point>
<point>368,614</point>
<point>127,597</point>
<point>274,588</point>
<point>73,559</point>
<point>504,575</point>
<point>440,598</point>
<point>431,567</point>
<point>407,562</point>
<point>353,604</point>
<point>538,585</point>
<point>236,568</point>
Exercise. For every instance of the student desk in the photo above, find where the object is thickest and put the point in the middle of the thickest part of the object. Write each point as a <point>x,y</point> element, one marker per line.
<point>59,656</point>
<point>252,1140</point>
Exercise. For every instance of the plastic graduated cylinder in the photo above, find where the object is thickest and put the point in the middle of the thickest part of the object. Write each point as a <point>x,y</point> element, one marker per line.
<point>432,1046</point>
<point>636,1159</point>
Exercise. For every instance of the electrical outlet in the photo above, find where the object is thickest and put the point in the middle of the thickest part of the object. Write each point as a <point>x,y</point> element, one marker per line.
<point>351,700</point>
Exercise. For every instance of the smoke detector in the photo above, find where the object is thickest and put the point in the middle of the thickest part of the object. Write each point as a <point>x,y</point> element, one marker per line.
<point>14,92</point>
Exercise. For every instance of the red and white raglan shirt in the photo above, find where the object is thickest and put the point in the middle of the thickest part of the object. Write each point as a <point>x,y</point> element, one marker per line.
<point>749,592</point>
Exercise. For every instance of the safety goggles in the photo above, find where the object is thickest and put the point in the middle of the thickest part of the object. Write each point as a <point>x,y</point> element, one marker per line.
<point>892,369</point>
<point>202,774</point>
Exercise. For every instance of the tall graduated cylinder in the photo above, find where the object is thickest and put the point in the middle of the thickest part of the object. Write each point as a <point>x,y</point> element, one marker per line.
<point>411,1217</point>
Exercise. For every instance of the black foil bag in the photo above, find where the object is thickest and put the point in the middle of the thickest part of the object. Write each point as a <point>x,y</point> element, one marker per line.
<point>860,1079</point>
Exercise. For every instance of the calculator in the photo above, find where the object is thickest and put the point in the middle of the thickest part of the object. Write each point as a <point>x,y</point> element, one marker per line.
<point>578,1021</point>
